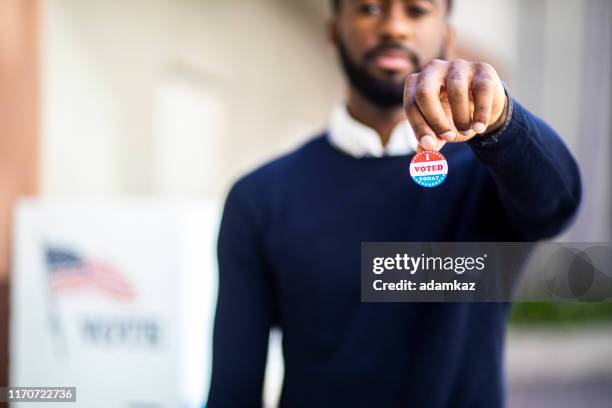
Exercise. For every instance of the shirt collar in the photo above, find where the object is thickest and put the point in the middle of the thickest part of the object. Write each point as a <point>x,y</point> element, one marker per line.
<point>357,140</point>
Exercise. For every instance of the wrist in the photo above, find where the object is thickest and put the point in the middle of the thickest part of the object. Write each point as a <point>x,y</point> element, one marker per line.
<point>499,123</point>
<point>494,134</point>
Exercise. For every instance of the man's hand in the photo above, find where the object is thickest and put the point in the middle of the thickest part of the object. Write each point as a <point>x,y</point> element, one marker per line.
<point>452,101</point>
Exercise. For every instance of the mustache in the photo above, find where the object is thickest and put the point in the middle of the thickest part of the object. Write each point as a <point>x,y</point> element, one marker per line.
<point>390,46</point>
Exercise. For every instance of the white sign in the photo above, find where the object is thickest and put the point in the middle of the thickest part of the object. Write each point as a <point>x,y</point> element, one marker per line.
<point>116,299</point>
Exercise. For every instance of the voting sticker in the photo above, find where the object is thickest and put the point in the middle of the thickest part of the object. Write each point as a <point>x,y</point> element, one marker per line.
<point>428,168</point>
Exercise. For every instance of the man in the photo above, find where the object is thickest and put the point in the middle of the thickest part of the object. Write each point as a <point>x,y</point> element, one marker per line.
<point>289,244</point>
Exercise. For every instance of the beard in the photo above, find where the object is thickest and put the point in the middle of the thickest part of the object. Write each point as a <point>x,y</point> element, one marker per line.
<point>383,93</point>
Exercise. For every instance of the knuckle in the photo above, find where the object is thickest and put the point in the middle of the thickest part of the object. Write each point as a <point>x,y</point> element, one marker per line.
<point>484,67</point>
<point>457,74</point>
<point>458,65</point>
<point>423,93</point>
<point>410,97</point>
<point>455,77</point>
<point>482,111</point>
<point>438,126</point>
<point>406,90</point>
<point>481,86</point>
<point>422,129</point>
<point>484,76</point>
<point>412,78</point>
<point>411,106</point>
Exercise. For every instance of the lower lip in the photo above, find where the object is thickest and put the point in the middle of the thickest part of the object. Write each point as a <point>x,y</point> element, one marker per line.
<point>392,63</point>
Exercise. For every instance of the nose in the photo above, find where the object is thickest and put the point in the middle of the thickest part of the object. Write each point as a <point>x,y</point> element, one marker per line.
<point>395,26</point>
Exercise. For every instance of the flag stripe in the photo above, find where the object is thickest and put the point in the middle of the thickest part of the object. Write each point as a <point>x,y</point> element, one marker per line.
<point>70,274</point>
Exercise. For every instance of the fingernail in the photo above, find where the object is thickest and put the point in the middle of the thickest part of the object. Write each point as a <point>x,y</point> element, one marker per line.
<point>479,127</point>
<point>428,142</point>
<point>466,132</point>
<point>448,136</point>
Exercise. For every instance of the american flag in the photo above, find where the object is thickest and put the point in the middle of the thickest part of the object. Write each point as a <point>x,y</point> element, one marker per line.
<point>69,273</point>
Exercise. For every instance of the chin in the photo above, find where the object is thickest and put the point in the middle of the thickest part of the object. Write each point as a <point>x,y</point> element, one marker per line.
<point>396,76</point>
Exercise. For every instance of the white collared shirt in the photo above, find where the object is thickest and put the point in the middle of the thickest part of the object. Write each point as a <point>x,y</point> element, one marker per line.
<point>356,139</point>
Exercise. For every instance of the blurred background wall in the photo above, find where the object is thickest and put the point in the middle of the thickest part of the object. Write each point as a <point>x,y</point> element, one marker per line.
<point>180,97</point>
<point>165,96</point>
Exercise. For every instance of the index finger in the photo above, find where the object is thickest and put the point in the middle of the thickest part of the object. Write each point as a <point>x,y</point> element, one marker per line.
<point>427,95</point>
<point>424,134</point>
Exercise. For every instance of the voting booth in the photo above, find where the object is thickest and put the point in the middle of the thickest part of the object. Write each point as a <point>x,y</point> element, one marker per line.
<point>116,299</point>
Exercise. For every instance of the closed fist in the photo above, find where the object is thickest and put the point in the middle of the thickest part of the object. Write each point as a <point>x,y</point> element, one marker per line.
<point>452,101</point>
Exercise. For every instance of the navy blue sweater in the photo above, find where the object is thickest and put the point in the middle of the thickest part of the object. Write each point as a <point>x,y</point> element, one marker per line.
<point>289,255</point>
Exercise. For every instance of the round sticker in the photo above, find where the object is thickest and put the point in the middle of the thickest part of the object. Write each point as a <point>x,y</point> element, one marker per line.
<point>428,168</point>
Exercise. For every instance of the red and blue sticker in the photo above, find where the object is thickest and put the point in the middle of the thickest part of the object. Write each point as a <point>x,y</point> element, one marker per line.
<point>428,168</point>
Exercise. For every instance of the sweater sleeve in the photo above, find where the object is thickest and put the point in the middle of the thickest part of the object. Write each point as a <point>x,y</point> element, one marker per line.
<point>244,310</point>
<point>537,179</point>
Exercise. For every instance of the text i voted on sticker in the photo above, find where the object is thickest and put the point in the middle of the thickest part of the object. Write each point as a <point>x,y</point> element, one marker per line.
<point>428,168</point>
